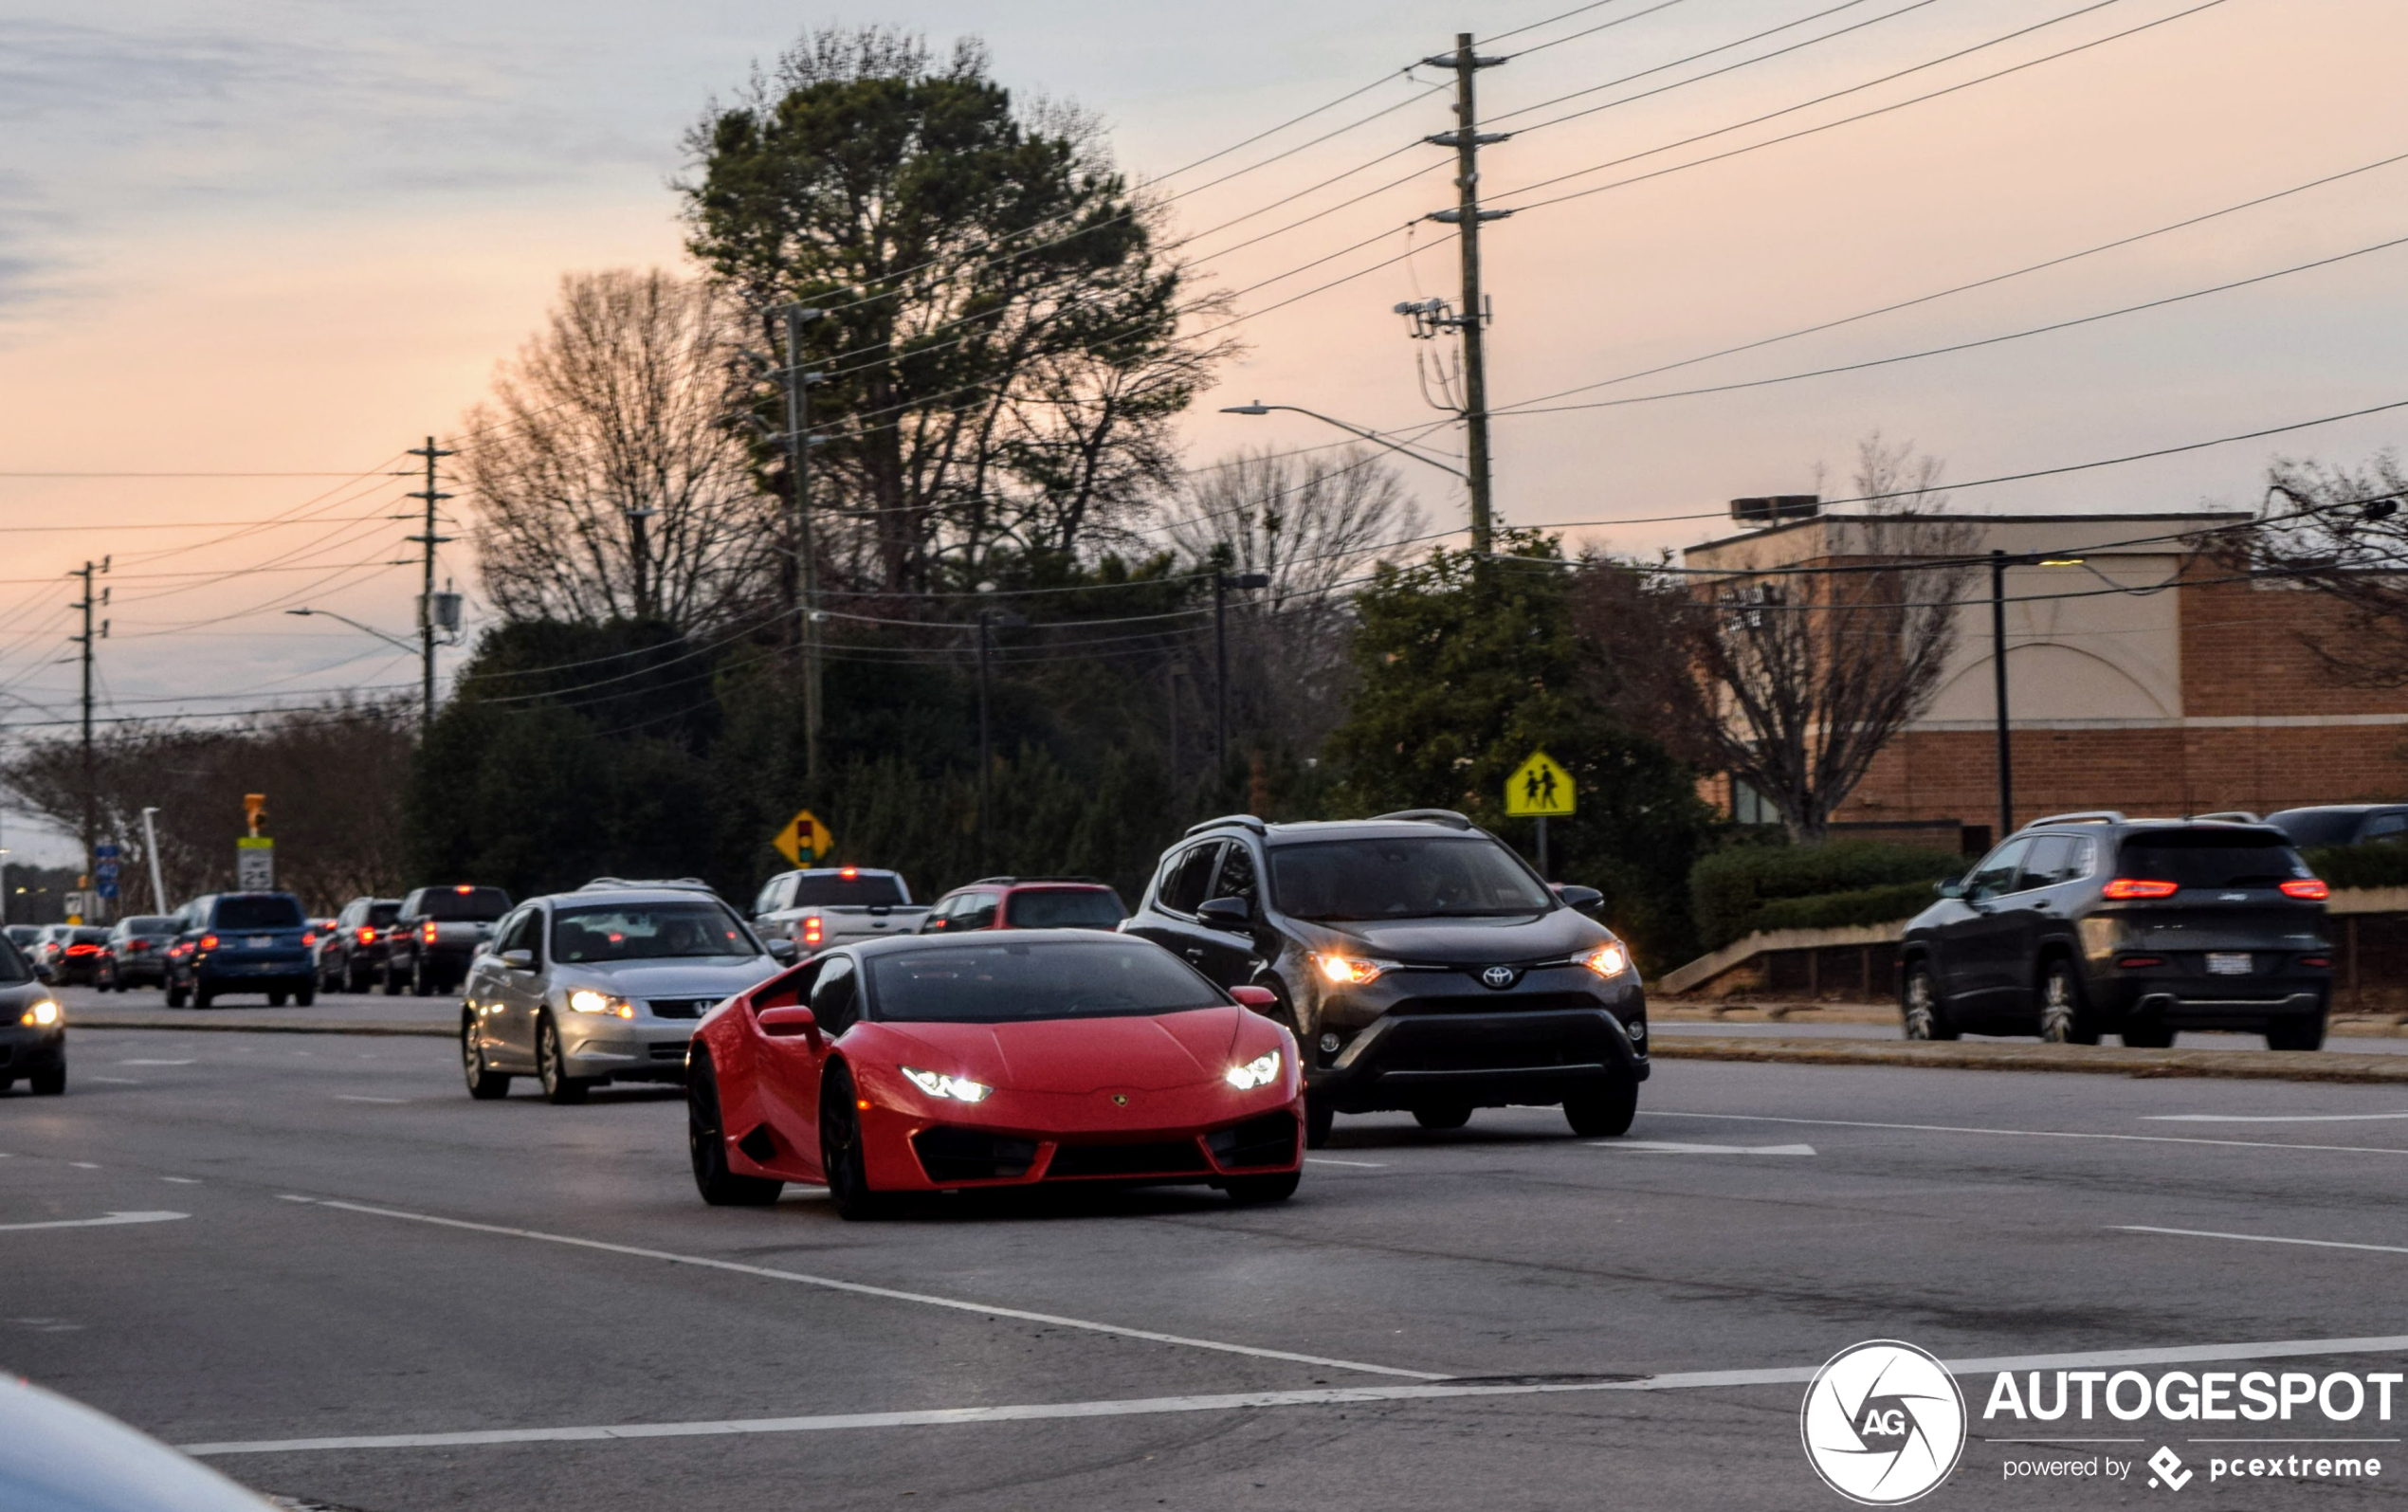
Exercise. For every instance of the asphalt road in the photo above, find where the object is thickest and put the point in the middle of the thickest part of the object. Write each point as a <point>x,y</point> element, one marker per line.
<point>358,1251</point>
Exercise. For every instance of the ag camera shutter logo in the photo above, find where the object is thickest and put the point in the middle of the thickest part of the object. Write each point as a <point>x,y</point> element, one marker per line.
<point>1882,1423</point>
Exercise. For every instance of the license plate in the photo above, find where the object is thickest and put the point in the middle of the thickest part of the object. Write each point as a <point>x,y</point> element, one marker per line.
<point>263,941</point>
<point>2228,964</point>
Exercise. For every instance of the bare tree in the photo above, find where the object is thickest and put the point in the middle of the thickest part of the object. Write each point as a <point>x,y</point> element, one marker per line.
<point>1793,678</point>
<point>1313,525</point>
<point>2340,530</point>
<point>606,482</point>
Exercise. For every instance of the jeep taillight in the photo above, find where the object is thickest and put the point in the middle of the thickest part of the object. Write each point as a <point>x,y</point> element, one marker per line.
<point>2138,888</point>
<point>2310,888</point>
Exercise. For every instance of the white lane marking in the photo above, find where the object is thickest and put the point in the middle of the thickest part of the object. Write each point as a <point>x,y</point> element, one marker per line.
<point>354,1096</point>
<point>860,1289</point>
<point>1367,1165</point>
<point>112,1220</point>
<point>83,1165</point>
<point>115,1080</point>
<point>153,1063</point>
<point>2257,1238</point>
<point>1672,1147</point>
<point>2269,1117</point>
<point>1239,1401</point>
<point>183,1181</point>
<point>2040,1133</point>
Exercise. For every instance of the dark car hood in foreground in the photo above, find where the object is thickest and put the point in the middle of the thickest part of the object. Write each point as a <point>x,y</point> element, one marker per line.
<point>1471,942</point>
<point>1150,1052</point>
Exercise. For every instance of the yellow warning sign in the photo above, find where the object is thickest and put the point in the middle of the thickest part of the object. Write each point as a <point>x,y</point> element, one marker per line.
<point>804,840</point>
<point>1539,789</point>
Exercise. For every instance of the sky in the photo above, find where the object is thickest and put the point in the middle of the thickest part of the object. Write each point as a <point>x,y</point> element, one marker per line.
<point>256,238</point>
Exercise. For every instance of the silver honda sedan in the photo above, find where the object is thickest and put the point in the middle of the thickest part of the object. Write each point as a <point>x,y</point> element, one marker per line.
<point>603,984</point>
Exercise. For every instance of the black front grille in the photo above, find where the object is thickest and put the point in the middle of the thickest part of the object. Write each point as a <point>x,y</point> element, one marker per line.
<point>1504,1002</point>
<point>1169,1157</point>
<point>972,1155</point>
<point>679,1007</point>
<point>1267,1140</point>
<point>668,1052</point>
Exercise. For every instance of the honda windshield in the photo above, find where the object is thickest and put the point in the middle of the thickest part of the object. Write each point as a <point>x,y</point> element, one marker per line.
<point>1014,981</point>
<point>616,932</point>
<point>1412,877</point>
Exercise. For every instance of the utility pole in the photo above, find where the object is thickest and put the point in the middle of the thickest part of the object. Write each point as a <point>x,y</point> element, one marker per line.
<point>429,540</point>
<point>640,557</point>
<point>1999,684</point>
<point>151,848</point>
<point>798,443</point>
<point>1222,583</point>
<point>91,773</point>
<point>1465,216</point>
<point>987,619</point>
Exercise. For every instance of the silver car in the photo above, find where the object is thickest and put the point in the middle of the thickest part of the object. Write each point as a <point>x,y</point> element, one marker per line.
<point>603,984</point>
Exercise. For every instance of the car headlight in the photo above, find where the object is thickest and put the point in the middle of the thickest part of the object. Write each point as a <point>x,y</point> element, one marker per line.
<point>937,1084</point>
<point>1260,1071</point>
<point>586,1000</point>
<point>41,1015</point>
<point>1609,961</point>
<point>1350,971</point>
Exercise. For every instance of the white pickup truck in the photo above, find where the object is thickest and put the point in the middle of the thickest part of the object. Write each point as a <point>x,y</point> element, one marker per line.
<point>821,907</point>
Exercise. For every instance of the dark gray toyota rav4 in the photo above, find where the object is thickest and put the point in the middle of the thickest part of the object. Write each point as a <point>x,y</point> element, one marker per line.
<point>2089,924</point>
<point>1420,964</point>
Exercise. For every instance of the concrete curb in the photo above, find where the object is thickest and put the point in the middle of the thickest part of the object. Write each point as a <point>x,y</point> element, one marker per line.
<point>2255,1066</point>
<point>216,1025</point>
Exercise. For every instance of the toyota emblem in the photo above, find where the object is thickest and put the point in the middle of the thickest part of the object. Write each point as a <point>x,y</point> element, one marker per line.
<point>1498,977</point>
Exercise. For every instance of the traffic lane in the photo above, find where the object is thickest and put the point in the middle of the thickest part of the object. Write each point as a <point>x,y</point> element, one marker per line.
<point>2341,1041</point>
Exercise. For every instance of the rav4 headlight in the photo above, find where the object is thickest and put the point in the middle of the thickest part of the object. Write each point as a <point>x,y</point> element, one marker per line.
<point>586,1000</point>
<point>41,1015</point>
<point>1260,1071</point>
<point>1609,961</point>
<point>937,1084</point>
<point>1350,971</point>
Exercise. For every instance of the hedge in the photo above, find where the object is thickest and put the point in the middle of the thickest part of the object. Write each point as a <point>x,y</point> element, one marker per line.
<point>1838,910</point>
<point>1731,891</point>
<point>2376,866</point>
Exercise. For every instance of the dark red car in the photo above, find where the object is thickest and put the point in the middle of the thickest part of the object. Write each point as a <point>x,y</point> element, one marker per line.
<point>1036,1057</point>
<point>1026,903</point>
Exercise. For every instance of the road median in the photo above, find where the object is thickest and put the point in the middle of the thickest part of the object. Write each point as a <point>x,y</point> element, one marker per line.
<point>2108,1060</point>
<point>260,1023</point>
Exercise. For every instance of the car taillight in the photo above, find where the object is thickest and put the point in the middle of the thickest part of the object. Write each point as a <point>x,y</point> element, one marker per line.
<point>849,873</point>
<point>81,950</point>
<point>427,932</point>
<point>2138,888</point>
<point>367,935</point>
<point>2315,960</point>
<point>208,942</point>
<point>814,929</point>
<point>2308,888</point>
<point>2135,962</point>
<point>309,937</point>
<point>138,944</point>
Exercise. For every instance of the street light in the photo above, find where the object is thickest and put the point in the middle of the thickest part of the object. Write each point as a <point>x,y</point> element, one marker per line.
<point>1259,407</point>
<point>329,613</point>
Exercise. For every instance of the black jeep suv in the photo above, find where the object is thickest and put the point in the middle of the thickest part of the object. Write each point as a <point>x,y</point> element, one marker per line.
<point>1420,964</point>
<point>2089,924</point>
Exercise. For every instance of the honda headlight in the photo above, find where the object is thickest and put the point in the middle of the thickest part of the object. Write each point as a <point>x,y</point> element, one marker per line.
<point>1608,962</point>
<point>1260,1071</point>
<point>41,1015</point>
<point>937,1084</point>
<point>586,1000</point>
<point>1350,971</point>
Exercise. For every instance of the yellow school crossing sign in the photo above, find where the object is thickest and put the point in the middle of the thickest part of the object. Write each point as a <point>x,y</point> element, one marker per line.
<point>1539,789</point>
<point>804,840</point>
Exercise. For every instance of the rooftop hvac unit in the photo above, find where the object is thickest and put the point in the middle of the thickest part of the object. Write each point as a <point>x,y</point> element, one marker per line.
<point>1776,507</point>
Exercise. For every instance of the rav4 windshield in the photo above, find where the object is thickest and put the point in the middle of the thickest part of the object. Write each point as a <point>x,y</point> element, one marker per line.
<point>836,890</point>
<point>260,911</point>
<point>1011,982</point>
<point>612,932</point>
<point>1417,877</point>
<point>2205,858</point>
<point>1066,908</point>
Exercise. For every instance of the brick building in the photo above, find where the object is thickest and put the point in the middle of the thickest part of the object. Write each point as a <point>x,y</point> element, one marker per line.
<point>2138,678</point>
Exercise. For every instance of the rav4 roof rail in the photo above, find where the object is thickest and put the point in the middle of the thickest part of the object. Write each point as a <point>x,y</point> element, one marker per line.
<point>1014,882</point>
<point>1241,821</point>
<point>2084,816</point>
<point>1445,816</point>
<point>2232,816</point>
<point>617,884</point>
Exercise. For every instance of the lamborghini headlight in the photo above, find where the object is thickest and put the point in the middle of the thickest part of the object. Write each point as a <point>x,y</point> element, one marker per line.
<point>41,1015</point>
<point>586,1000</point>
<point>937,1084</point>
<point>1260,1071</point>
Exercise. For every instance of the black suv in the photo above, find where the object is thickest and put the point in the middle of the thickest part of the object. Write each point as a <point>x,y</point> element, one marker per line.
<point>1420,964</point>
<point>2087,923</point>
<point>434,936</point>
<point>354,949</point>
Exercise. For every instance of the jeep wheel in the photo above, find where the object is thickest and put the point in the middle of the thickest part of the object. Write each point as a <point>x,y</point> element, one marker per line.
<point>2064,1017</point>
<point>2305,1032</point>
<point>2148,1036</point>
<point>1918,1004</point>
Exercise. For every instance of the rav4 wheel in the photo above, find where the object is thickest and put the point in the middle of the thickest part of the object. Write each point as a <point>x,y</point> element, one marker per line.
<point>1247,1191</point>
<point>52,1082</point>
<point>1320,1118</point>
<point>1919,1005</point>
<point>841,1157</point>
<point>707,1147</point>
<point>1606,1113</point>
<point>2064,1017</point>
<point>1443,1115</point>
<point>2147,1036</point>
<point>483,1085</point>
<point>551,1066</point>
